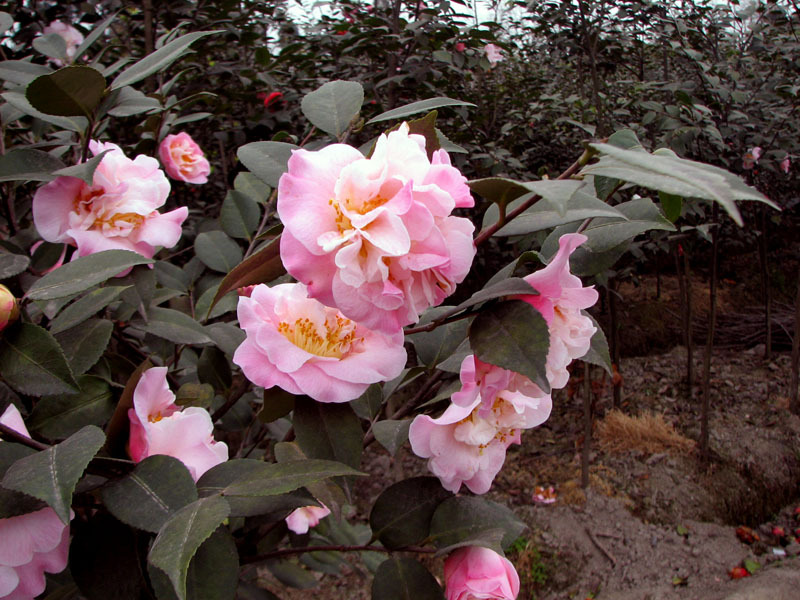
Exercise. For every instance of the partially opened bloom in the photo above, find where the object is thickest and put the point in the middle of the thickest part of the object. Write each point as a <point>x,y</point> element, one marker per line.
<point>382,245</point>
<point>9,309</point>
<point>560,301</point>
<point>71,36</point>
<point>183,159</point>
<point>751,157</point>
<point>118,211</point>
<point>30,544</point>
<point>786,164</point>
<point>494,54</point>
<point>467,443</point>
<point>477,573</point>
<point>305,347</point>
<point>158,426</point>
<point>302,519</point>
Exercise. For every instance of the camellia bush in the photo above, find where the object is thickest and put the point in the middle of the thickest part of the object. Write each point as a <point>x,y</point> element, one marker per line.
<point>186,399</point>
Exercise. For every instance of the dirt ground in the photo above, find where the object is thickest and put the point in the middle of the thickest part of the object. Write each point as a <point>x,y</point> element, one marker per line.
<point>657,522</point>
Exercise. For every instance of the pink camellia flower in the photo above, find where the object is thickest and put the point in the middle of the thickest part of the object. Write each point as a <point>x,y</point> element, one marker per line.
<point>9,309</point>
<point>30,544</point>
<point>158,426</point>
<point>750,159</point>
<point>302,519</point>
<point>474,572</point>
<point>118,211</point>
<point>467,443</point>
<point>786,164</point>
<point>560,301</point>
<point>305,347</point>
<point>382,246</point>
<point>71,36</point>
<point>460,47</point>
<point>494,53</point>
<point>183,159</point>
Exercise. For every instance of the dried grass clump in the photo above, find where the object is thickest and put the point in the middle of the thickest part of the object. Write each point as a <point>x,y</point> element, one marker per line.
<point>647,432</point>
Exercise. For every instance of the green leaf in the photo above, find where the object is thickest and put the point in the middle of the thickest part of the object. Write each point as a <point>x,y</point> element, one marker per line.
<point>751,565</point>
<point>213,368</point>
<point>12,264</point>
<point>474,519</point>
<point>51,45</point>
<point>500,190</point>
<point>328,430</point>
<point>426,127</point>
<point>28,164</point>
<point>401,516</point>
<point>513,286</point>
<point>513,335</point>
<point>14,503</point>
<point>391,434</point>
<point>273,479</point>
<point>368,405</point>
<point>20,102</point>
<point>266,160</point>
<point>404,579</point>
<point>159,60</point>
<point>217,251</point>
<point>61,416</point>
<point>84,170</point>
<point>333,106</point>
<point>277,403</point>
<point>665,171</point>
<point>417,107</point>
<point>226,304</point>
<point>251,186</point>
<point>153,492</point>
<point>85,345</point>
<point>33,363</point>
<point>176,327</point>
<point>21,72</point>
<point>95,34</point>
<point>291,574</point>
<point>6,22</point>
<point>213,572</point>
<point>542,215</point>
<point>195,394</point>
<point>226,336</point>
<point>73,91</point>
<point>224,474</point>
<point>182,535</point>
<point>81,274</point>
<point>84,308</point>
<point>172,276</point>
<point>598,350</point>
<point>640,215</point>
<point>671,205</point>
<point>131,101</point>
<point>239,215</point>
<point>262,267</point>
<point>51,475</point>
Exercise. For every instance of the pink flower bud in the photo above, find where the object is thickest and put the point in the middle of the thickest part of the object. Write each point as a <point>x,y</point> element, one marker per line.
<point>786,164</point>
<point>750,159</point>
<point>302,519</point>
<point>9,310</point>
<point>183,159</point>
<point>494,54</point>
<point>476,572</point>
<point>71,36</point>
<point>460,47</point>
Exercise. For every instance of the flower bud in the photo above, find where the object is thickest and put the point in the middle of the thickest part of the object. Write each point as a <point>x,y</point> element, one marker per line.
<point>9,310</point>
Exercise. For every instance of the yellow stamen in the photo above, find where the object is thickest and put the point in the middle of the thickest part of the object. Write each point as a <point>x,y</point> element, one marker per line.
<point>338,337</point>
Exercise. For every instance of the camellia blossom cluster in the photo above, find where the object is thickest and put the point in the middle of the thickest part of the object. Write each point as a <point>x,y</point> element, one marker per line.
<point>118,211</point>
<point>183,159</point>
<point>302,519</point>
<point>30,544</point>
<point>474,572</point>
<point>71,36</point>
<point>158,426</point>
<point>382,245</point>
<point>305,347</point>
<point>468,442</point>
